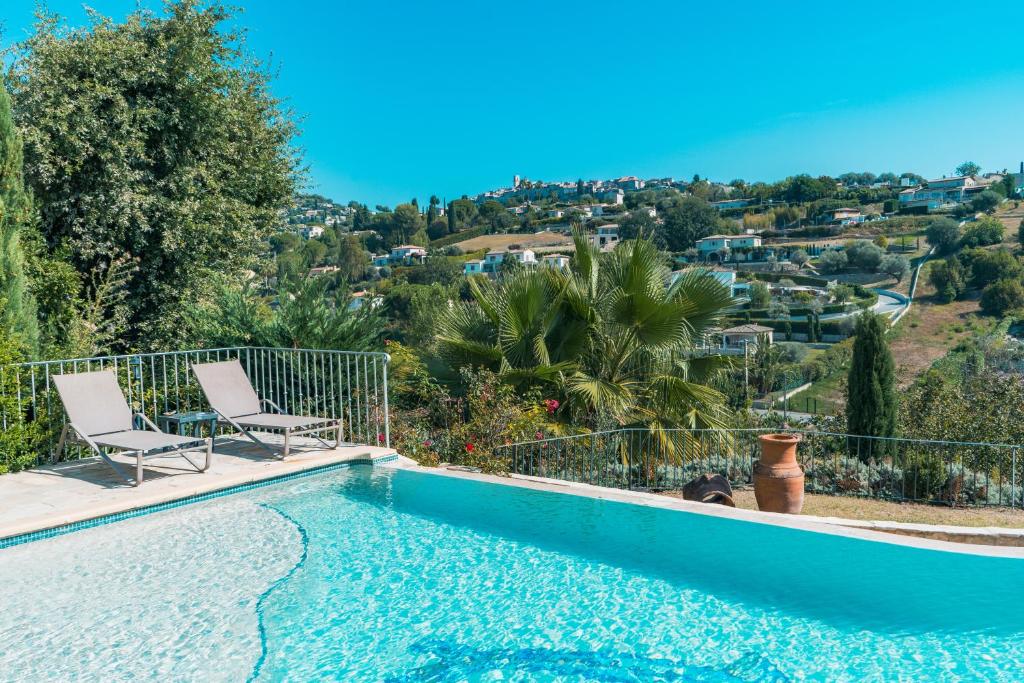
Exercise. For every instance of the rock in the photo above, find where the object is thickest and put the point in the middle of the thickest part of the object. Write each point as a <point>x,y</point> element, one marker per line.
<point>709,488</point>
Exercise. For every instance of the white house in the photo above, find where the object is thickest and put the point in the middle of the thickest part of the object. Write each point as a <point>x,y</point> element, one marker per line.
<point>311,231</point>
<point>408,253</point>
<point>713,245</point>
<point>555,213</point>
<point>473,267</point>
<point>615,196</point>
<point>555,260</point>
<point>524,256</point>
<point>605,237</point>
<point>720,247</point>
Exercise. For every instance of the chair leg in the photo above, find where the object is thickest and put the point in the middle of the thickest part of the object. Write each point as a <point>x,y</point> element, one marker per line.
<point>337,439</point>
<point>209,453</point>
<point>61,444</point>
<point>138,467</point>
<point>287,437</point>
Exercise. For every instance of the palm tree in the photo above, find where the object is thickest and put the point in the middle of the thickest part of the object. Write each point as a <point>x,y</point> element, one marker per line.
<point>610,337</point>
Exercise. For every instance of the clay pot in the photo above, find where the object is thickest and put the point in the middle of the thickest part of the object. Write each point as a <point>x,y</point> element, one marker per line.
<point>778,479</point>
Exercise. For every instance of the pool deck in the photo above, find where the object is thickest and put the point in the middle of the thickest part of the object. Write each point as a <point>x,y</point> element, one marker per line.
<point>55,495</point>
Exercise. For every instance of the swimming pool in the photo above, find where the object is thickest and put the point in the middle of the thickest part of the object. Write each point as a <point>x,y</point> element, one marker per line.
<point>397,575</point>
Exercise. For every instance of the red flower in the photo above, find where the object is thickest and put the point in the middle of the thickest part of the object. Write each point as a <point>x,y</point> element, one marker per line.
<point>538,435</point>
<point>469,448</point>
<point>428,443</point>
<point>380,438</point>
<point>551,405</point>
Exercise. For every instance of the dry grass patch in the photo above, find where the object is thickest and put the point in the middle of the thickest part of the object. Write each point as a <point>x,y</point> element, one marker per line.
<point>885,511</point>
<point>547,241</point>
<point>931,329</point>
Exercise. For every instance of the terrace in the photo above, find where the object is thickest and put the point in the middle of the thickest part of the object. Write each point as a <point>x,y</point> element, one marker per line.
<point>353,387</point>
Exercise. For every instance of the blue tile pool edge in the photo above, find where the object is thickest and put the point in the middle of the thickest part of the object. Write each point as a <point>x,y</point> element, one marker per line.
<point>62,529</point>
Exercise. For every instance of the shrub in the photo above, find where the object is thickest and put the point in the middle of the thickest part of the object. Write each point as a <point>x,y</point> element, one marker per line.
<point>1002,296</point>
<point>988,266</point>
<point>759,295</point>
<point>986,201</point>
<point>948,279</point>
<point>895,265</point>
<point>832,261</point>
<point>924,476</point>
<point>864,254</point>
<point>943,233</point>
<point>985,231</point>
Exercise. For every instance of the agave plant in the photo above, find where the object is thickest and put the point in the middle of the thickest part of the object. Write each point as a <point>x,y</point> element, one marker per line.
<point>610,337</point>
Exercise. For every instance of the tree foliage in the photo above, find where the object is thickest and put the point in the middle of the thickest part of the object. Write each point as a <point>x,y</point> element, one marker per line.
<point>17,305</point>
<point>155,139</point>
<point>605,336</point>
<point>943,234</point>
<point>871,408</point>
<point>1002,296</point>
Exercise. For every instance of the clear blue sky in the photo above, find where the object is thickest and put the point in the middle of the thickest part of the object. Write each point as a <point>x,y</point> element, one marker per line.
<point>404,99</point>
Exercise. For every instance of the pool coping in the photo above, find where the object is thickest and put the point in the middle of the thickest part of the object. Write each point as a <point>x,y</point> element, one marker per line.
<point>834,526</point>
<point>35,530</point>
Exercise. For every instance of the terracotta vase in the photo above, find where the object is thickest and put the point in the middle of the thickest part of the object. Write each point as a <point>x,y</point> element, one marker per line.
<point>778,479</point>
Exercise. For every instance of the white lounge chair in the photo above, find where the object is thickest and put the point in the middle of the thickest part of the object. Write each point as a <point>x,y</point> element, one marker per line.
<point>99,417</point>
<point>232,397</point>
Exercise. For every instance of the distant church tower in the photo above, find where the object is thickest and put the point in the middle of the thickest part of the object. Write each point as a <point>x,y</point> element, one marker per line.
<point>515,182</point>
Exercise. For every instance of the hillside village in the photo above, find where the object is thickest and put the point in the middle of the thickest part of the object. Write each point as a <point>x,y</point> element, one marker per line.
<point>801,257</point>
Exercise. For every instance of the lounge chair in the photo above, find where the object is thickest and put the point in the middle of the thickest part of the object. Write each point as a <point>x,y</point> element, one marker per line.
<point>99,417</point>
<point>232,397</point>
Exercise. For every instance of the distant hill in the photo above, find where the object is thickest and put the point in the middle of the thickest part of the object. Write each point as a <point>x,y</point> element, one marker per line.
<point>314,209</point>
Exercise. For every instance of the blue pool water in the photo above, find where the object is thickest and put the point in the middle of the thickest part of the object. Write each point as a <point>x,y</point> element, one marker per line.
<point>381,575</point>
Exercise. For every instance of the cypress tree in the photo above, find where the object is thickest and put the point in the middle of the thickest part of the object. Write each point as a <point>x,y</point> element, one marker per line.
<point>17,307</point>
<point>871,389</point>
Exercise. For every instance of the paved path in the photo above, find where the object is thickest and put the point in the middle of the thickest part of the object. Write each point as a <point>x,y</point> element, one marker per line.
<point>54,495</point>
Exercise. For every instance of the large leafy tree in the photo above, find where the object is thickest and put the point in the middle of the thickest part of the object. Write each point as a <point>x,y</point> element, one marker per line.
<point>607,337</point>
<point>155,139</point>
<point>684,221</point>
<point>871,402</point>
<point>17,307</point>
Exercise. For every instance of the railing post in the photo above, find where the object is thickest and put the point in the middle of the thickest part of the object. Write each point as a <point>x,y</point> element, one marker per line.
<point>387,413</point>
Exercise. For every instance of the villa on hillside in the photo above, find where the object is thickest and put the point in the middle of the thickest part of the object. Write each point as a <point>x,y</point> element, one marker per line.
<point>727,247</point>
<point>844,216</point>
<point>936,194</point>
<point>408,254</point>
<point>555,260</point>
<point>493,259</point>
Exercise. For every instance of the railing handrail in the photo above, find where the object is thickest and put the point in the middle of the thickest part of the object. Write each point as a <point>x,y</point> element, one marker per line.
<point>749,430</point>
<point>219,349</point>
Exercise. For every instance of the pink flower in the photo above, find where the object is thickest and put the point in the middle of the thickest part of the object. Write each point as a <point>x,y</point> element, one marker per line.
<point>539,435</point>
<point>551,405</point>
<point>428,443</point>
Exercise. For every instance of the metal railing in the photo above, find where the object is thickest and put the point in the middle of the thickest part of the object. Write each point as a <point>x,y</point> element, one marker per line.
<point>948,472</point>
<point>350,385</point>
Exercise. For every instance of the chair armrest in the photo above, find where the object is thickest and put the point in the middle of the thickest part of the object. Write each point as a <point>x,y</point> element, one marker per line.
<point>149,422</point>
<point>277,409</point>
<point>84,437</point>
